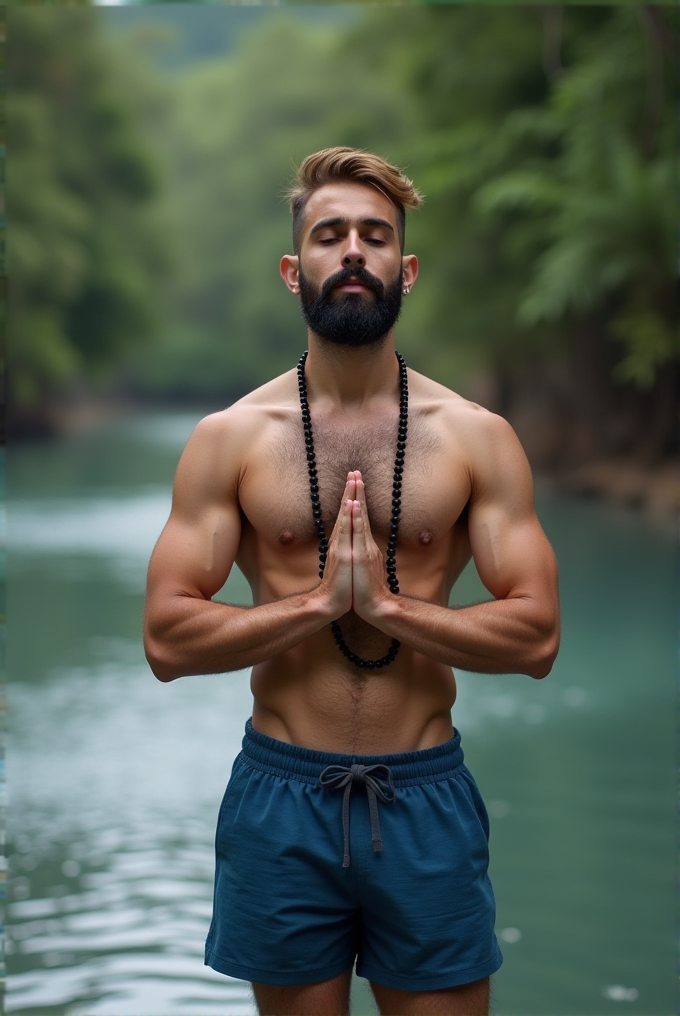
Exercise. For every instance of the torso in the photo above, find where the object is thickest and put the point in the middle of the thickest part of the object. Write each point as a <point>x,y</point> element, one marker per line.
<point>311,694</point>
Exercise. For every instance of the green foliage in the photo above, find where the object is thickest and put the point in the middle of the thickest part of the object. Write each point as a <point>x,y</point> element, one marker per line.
<point>83,255</point>
<point>606,238</point>
<point>649,340</point>
<point>544,141</point>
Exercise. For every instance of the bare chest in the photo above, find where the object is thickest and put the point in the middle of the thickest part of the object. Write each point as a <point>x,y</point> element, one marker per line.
<point>275,495</point>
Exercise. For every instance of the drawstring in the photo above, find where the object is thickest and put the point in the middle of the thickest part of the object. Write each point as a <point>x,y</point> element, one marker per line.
<point>377,788</point>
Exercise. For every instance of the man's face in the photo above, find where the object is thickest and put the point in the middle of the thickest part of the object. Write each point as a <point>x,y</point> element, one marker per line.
<point>350,265</point>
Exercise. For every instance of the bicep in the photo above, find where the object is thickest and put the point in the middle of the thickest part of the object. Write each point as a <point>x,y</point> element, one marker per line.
<point>196,550</point>
<point>194,557</point>
<point>513,557</point>
<point>510,549</point>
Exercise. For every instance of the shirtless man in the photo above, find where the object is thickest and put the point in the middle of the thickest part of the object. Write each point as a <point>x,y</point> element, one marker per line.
<point>351,827</point>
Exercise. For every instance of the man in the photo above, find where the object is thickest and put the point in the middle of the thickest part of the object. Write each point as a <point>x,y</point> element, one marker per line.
<point>352,492</point>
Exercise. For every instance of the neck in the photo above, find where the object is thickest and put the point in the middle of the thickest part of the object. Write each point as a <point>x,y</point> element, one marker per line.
<point>351,375</point>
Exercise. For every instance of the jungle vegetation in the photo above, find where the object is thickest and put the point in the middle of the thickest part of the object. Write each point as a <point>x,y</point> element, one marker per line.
<point>146,217</point>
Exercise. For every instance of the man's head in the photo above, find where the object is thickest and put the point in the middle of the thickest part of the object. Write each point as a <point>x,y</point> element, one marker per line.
<point>350,165</point>
<point>348,226</point>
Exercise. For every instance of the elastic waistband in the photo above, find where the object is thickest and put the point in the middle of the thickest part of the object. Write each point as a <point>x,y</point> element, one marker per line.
<point>408,768</point>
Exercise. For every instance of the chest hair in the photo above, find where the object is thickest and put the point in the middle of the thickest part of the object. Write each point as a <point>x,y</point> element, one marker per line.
<point>372,450</point>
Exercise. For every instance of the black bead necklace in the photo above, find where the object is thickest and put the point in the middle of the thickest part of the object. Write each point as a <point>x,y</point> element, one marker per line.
<point>391,563</point>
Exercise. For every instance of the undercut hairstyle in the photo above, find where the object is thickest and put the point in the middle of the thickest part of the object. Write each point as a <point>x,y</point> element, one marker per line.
<point>350,165</point>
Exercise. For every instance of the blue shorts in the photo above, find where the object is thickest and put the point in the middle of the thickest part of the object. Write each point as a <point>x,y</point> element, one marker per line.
<point>412,902</point>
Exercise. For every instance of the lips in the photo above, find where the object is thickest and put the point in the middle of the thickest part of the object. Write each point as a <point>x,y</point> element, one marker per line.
<point>352,281</point>
<point>354,287</point>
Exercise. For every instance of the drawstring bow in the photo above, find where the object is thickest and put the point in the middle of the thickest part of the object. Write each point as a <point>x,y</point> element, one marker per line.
<point>379,787</point>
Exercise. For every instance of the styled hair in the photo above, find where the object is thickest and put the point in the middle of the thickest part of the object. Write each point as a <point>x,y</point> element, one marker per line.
<point>350,165</point>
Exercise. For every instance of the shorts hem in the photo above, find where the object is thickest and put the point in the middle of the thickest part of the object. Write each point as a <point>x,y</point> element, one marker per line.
<point>453,980</point>
<point>260,976</point>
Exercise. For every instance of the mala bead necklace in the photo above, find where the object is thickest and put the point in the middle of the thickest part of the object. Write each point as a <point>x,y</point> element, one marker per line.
<point>391,563</point>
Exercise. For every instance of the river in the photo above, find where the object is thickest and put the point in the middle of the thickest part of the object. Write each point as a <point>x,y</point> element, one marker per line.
<point>115,779</point>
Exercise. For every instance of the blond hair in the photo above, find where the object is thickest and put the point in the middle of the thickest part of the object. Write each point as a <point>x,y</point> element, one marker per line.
<point>350,165</point>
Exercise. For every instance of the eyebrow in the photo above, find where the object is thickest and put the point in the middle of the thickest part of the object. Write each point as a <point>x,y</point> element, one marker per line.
<point>338,220</point>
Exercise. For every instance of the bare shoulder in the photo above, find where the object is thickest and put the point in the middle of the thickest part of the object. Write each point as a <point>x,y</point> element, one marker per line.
<point>484,441</point>
<point>222,443</point>
<point>456,415</point>
<point>234,428</point>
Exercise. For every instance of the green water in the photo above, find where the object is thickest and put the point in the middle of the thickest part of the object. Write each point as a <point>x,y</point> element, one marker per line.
<point>115,780</point>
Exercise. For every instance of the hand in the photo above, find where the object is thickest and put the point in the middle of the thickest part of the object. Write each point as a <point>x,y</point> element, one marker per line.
<point>369,582</point>
<point>337,576</point>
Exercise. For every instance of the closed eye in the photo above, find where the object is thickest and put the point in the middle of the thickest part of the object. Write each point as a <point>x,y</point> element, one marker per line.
<point>374,241</point>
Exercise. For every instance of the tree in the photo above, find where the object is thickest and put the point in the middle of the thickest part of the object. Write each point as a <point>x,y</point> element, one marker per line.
<point>84,251</point>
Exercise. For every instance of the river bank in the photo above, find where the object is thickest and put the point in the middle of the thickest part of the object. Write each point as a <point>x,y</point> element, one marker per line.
<point>654,489</point>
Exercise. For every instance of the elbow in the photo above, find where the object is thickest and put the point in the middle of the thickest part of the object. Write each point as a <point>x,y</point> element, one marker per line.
<point>540,669</point>
<point>162,666</point>
<point>543,657</point>
<point>160,669</point>
<point>162,673</point>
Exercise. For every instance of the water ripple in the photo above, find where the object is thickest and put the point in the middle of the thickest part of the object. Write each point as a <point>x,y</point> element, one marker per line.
<point>118,857</point>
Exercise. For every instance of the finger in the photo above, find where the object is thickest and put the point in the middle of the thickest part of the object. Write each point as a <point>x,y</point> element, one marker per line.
<point>340,543</point>
<point>347,494</point>
<point>359,532</point>
<point>344,524</point>
<point>360,496</point>
<point>361,491</point>
<point>350,486</point>
<point>337,573</point>
<point>363,543</point>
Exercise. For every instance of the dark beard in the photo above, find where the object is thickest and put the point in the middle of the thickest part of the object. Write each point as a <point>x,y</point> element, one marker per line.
<point>348,319</point>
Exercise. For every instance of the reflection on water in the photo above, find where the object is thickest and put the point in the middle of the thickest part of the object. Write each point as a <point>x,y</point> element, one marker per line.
<point>116,779</point>
<point>119,777</point>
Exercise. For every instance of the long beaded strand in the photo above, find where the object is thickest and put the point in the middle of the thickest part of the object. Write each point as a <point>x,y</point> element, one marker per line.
<point>391,563</point>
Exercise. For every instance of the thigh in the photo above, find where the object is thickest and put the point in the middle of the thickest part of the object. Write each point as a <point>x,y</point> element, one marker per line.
<point>465,1000</point>
<point>326,998</point>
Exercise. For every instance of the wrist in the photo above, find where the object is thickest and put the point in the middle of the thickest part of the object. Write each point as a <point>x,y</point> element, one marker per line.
<point>322,604</point>
<point>380,610</point>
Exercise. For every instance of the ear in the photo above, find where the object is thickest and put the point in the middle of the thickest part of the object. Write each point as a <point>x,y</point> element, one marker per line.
<point>409,265</point>
<point>290,270</point>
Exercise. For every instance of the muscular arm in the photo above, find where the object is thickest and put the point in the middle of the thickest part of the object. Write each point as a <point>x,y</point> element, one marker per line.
<point>184,631</point>
<point>516,632</point>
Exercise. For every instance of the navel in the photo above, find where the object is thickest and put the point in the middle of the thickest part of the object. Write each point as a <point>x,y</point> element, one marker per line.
<point>286,537</point>
<point>425,537</point>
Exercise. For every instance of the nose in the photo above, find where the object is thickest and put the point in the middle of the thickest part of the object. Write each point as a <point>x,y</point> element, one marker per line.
<point>353,255</point>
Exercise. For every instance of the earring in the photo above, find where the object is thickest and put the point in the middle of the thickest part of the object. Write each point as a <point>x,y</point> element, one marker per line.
<point>407,290</point>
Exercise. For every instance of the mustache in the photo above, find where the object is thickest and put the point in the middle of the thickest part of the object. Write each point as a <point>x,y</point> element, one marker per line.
<point>348,274</point>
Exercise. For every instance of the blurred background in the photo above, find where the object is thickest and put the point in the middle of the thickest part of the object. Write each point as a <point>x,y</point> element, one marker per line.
<point>150,146</point>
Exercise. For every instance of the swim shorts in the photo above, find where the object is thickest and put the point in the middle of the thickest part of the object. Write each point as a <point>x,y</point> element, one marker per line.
<point>324,859</point>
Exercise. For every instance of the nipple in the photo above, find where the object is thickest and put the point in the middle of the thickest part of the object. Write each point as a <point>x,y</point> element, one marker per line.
<point>425,537</point>
<point>286,537</point>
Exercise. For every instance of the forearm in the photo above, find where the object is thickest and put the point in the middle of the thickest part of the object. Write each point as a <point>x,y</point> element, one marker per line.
<point>513,635</point>
<point>190,635</point>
